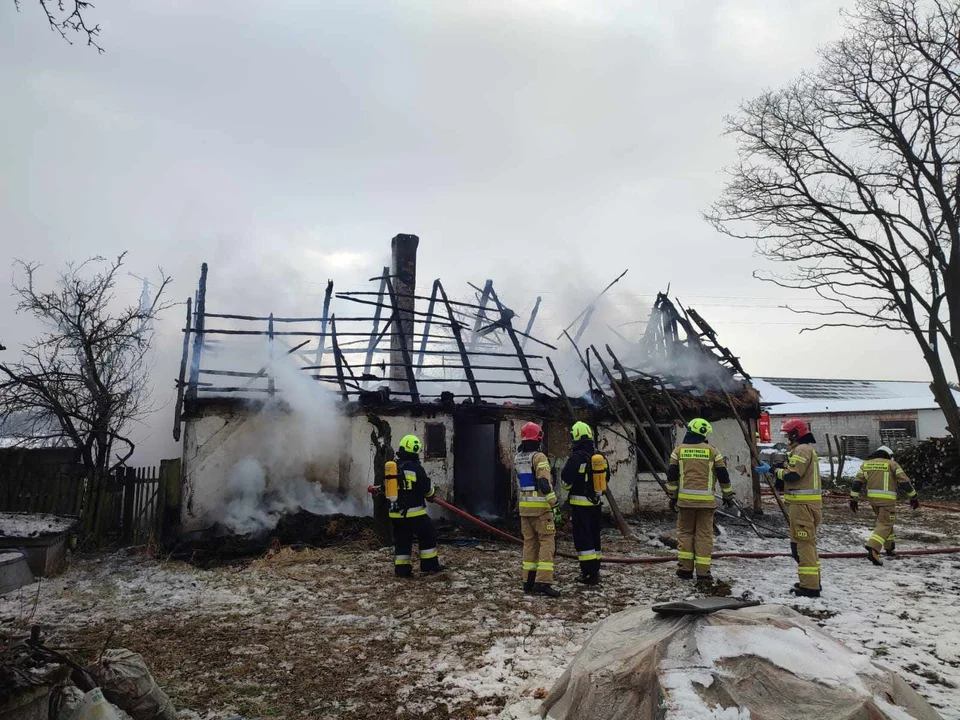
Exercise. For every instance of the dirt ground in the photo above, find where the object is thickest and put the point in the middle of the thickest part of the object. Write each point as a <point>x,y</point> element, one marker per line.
<point>330,633</point>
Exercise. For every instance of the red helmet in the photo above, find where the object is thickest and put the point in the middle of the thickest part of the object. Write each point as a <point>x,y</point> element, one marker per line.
<point>795,428</point>
<point>531,431</point>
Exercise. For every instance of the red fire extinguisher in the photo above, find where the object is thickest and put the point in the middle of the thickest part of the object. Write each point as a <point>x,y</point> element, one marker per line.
<point>763,427</point>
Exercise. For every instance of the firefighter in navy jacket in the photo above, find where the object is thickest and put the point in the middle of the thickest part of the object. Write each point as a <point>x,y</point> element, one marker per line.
<point>408,511</point>
<point>579,478</point>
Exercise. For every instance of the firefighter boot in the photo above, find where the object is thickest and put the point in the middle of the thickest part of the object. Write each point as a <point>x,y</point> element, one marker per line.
<point>801,591</point>
<point>545,589</point>
<point>529,582</point>
<point>685,574</point>
<point>434,570</point>
<point>873,555</point>
<point>892,550</point>
<point>591,579</point>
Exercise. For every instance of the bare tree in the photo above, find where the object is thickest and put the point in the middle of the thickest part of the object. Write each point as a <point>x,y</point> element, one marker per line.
<point>69,17</point>
<point>851,174</point>
<point>85,378</point>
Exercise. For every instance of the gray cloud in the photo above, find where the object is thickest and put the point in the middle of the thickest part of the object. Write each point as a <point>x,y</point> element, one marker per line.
<point>548,143</point>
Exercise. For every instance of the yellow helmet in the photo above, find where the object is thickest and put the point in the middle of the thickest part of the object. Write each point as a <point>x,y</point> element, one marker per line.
<point>581,430</point>
<point>699,426</point>
<point>411,444</point>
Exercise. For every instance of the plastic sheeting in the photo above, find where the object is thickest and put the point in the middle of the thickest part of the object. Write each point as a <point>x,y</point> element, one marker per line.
<point>768,660</point>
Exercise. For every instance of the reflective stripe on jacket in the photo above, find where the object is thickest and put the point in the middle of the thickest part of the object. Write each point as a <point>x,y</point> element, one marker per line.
<point>805,463</point>
<point>882,478</point>
<point>532,473</point>
<point>695,475</point>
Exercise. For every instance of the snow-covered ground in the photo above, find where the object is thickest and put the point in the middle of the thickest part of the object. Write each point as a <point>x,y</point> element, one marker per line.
<point>31,525</point>
<point>331,634</point>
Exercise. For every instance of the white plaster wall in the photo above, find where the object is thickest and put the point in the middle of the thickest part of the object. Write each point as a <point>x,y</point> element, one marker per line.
<point>931,423</point>
<point>214,443</point>
<point>361,452</point>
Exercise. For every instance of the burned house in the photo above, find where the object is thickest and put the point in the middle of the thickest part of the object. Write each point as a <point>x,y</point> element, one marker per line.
<point>464,375</point>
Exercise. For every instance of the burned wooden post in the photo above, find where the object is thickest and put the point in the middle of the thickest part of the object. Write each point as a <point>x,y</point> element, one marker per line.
<point>636,395</point>
<point>271,384</point>
<point>531,321</point>
<point>337,358</point>
<point>481,314</point>
<point>754,455</point>
<point>426,328</point>
<point>458,337</point>
<point>323,322</point>
<point>198,325</point>
<point>507,324</point>
<point>181,378</point>
<point>374,340</point>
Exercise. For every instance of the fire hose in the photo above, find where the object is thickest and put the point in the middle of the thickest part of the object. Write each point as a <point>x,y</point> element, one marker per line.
<point>652,559</point>
<point>840,497</point>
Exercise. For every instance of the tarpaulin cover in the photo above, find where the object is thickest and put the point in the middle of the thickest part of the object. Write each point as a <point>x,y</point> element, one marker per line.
<point>762,663</point>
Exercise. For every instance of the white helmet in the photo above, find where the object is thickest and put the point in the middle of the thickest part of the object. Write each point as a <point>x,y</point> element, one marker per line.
<point>885,449</point>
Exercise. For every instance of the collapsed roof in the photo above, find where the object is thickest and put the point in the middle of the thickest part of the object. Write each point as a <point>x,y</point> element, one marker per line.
<point>392,345</point>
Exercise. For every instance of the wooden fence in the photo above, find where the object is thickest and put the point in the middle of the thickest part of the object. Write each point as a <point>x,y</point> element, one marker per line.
<point>125,506</point>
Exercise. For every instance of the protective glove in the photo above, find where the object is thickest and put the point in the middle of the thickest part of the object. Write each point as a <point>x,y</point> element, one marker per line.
<point>854,504</point>
<point>557,517</point>
<point>915,503</point>
<point>762,468</point>
<point>673,504</point>
<point>728,500</point>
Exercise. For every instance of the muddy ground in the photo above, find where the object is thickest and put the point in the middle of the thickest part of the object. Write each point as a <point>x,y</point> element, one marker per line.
<point>330,633</point>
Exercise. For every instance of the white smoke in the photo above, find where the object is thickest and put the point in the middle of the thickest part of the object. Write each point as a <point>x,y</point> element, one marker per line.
<point>293,462</point>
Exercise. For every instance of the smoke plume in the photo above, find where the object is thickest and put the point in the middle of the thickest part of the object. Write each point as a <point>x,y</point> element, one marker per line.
<point>293,463</point>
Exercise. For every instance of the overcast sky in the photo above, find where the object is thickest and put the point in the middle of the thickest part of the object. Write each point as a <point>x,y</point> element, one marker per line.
<point>548,144</point>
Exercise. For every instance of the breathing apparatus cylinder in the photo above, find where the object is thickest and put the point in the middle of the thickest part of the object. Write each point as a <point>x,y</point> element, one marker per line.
<point>600,471</point>
<point>391,474</point>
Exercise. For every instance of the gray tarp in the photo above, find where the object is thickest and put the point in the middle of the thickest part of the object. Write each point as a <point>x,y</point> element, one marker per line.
<point>768,660</point>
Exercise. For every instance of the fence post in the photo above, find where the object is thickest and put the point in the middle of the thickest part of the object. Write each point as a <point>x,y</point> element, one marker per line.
<point>126,520</point>
<point>169,506</point>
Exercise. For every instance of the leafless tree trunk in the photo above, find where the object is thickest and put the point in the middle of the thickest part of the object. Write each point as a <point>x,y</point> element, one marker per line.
<point>852,175</point>
<point>85,379</point>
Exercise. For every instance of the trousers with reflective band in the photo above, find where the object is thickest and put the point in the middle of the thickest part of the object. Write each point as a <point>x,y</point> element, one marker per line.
<point>695,538</point>
<point>805,519</point>
<point>539,545</point>
<point>405,530</point>
<point>587,521</point>
<point>408,513</point>
<point>882,536</point>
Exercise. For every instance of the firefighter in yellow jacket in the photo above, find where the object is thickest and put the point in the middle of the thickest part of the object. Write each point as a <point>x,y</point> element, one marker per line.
<point>881,476</point>
<point>539,513</point>
<point>694,465</point>
<point>799,480</point>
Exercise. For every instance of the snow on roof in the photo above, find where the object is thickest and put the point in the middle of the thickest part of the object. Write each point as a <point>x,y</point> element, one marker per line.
<point>29,525</point>
<point>815,407</point>
<point>798,396</point>
<point>771,394</point>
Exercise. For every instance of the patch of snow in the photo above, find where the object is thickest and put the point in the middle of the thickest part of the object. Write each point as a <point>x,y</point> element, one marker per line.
<point>31,525</point>
<point>10,556</point>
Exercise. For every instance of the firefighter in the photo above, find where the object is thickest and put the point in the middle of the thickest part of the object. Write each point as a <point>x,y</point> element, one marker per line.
<point>800,482</point>
<point>584,478</point>
<point>408,510</point>
<point>539,513</point>
<point>694,464</point>
<point>875,475</point>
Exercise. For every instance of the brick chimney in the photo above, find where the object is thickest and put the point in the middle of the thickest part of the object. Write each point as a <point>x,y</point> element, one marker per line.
<point>403,272</point>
